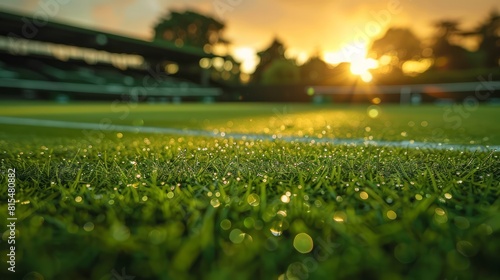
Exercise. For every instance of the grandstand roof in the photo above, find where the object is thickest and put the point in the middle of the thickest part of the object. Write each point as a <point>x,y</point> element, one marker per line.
<point>60,33</point>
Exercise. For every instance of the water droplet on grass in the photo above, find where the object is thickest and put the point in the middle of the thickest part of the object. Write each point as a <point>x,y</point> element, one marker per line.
<point>215,202</point>
<point>339,217</point>
<point>276,232</point>
<point>363,195</point>
<point>277,228</point>
<point>391,215</point>
<point>303,243</point>
<point>89,226</point>
<point>225,224</point>
<point>236,236</point>
<point>281,213</point>
<point>440,211</point>
<point>249,222</point>
<point>253,200</point>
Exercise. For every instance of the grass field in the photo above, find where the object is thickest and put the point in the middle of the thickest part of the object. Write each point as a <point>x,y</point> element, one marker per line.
<point>108,204</point>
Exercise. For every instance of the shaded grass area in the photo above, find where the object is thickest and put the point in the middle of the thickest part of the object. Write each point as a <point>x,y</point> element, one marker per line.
<point>174,207</point>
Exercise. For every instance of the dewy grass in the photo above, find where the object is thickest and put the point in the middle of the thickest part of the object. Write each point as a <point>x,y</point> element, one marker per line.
<point>449,124</point>
<point>177,207</point>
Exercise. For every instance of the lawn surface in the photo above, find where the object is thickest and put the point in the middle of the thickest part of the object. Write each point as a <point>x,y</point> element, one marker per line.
<point>107,204</point>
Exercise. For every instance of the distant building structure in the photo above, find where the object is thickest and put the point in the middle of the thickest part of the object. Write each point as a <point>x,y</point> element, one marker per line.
<point>43,59</point>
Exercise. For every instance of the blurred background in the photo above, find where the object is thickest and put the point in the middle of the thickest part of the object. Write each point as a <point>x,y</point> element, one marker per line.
<point>240,50</point>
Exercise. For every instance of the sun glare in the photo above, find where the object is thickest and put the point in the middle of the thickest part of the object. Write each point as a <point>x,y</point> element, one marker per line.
<point>361,67</point>
<point>355,54</point>
<point>333,58</point>
<point>248,57</point>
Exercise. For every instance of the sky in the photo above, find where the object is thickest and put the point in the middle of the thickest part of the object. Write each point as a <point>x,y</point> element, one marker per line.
<point>328,27</point>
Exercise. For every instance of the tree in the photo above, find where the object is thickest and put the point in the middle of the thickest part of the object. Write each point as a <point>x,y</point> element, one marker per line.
<point>189,28</point>
<point>276,51</point>
<point>314,71</point>
<point>489,33</point>
<point>398,43</point>
<point>281,72</point>
<point>446,30</point>
<point>448,55</point>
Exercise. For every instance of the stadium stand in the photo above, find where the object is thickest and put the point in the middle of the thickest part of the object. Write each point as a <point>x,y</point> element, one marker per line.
<point>54,59</point>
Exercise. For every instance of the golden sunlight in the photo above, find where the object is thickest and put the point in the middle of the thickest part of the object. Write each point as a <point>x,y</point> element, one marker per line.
<point>357,57</point>
<point>333,58</point>
<point>414,67</point>
<point>362,66</point>
<point>248,57</point>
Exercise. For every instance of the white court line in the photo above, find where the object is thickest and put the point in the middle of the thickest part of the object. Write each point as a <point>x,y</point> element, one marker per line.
<point>193,132</point>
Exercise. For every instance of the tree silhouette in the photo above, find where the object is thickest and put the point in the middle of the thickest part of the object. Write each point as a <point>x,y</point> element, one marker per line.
<point>314,71</point>
<point>447,28</point>
<point>448,55</point>
<point>445,31</point>
<point>276,51</point>
<point>189,28</point>
<point>400,43</point>
<point>281,72</point>
<point>489,33</point>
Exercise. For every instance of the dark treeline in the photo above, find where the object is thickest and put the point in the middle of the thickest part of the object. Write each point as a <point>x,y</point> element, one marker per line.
<point>401,55</point>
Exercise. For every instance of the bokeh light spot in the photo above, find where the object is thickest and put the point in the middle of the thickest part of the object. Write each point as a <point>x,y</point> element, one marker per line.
<point>215,202</point>
<point>285,198</point>
<point>225,224</point>
<point>339,217</point>
<point>236,236</point>
<point>391,215</point>
<point>373,111</point>
<point>253,200</point>
<point>89,226</point>
<point>363,195</point>
<point>303,243</point>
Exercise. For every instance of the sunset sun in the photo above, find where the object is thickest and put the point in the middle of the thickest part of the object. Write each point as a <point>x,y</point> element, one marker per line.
<point>356,56</point>
<point>362,66</point>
